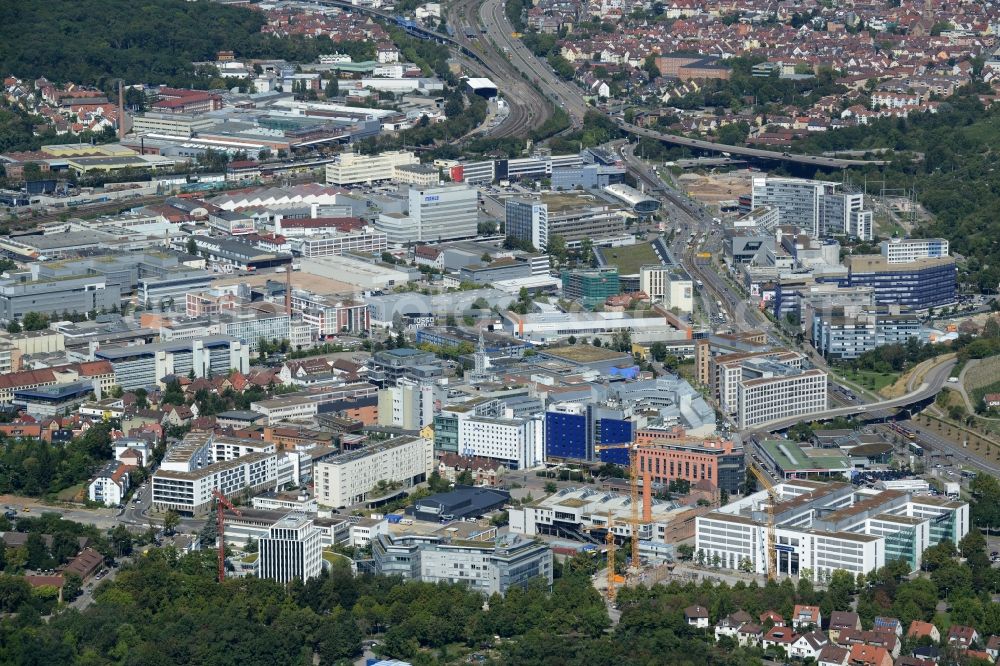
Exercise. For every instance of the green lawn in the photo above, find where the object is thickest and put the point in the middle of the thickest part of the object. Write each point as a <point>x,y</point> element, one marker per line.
<point>630,258</point>
<point>871,380</point>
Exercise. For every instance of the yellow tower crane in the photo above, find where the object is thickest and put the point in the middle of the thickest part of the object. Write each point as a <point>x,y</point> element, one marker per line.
<point>633,487</point>
<point>772,493</point>
<point>610,540</point>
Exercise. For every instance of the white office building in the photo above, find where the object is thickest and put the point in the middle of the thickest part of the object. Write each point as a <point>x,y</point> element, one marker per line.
<point>780,393</point>
<point>813,205</point>
<point>667,286</point>
<point>517,443</point>
<point>292,550</point>
<point>252,329</point>
<point>365,241</point>
<point>903,251</point>
<point>728,370</point>
<point>350,477</point>
<point>443,213</point>
<point>824,527</point>
<point>355,169</point>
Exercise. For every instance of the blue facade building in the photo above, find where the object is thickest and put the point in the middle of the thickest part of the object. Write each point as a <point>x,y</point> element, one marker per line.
<point>575,431</point>
<point>920,285</point>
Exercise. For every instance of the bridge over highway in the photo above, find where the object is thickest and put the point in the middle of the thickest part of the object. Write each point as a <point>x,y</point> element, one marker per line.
<point>700,144</point>
<point>933,381</point>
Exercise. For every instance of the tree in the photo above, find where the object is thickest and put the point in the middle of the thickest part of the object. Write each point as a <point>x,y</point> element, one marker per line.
<point>192,246</point>
<point>332,87</point>
<point>34,321</point>
<point>13,327</point>
<point>658,351</point>
<point>171,519</point>
<point>551,487</point>
<point>141,398</point>
<point>121,540</point>
<point>38,554</point>
<point>685,552</point>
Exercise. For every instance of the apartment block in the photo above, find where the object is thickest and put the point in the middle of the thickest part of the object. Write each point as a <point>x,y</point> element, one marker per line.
<point>145,366</point>
<point>191,470</point>
<point>350,477</point>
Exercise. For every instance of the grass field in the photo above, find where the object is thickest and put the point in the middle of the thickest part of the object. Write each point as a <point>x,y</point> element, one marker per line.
<point>72,494</point>
<point>873,381</point>
<point>630,258</point>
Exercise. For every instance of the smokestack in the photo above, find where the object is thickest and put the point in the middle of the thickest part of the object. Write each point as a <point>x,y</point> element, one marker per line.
<point>121,110</point>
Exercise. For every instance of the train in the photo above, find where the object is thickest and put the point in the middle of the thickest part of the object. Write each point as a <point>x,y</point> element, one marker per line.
<point>905,432</point>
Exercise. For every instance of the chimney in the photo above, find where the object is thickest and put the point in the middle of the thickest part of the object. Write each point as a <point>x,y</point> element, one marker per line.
<point>121,110</point>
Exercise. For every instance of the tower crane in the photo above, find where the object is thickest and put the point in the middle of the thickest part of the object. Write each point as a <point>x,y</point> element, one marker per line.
<point>221,504</point>
<point>633,486</point>
<point>772,552</point>
<point>610,540</point>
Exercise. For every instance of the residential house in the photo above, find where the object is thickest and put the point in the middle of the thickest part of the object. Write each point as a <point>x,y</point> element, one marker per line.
<point>993,647</point>
<point>729,625</point>
<point>774,618</point>
<point>750,634</point>
<point>918,629</point>
<point>696,616</point>
<point>833,655</point>
<point>783,637</point>
<point>110,484</point>
<point>890,624</point>
<point>962,637</point>
<point>804,616</point>
<point>484,471</point>
<point>808,646</point>
<point>840,620</point>
<point>86,564</point>
<point>869,655</point>
<point>885,639</point>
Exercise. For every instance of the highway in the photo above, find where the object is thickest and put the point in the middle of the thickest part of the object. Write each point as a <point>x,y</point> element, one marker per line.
<point>934,380</point>
<point>936,445</point>
<point>699,144</point>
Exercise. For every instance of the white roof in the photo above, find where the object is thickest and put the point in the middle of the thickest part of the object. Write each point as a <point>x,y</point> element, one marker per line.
<point>480,83</point>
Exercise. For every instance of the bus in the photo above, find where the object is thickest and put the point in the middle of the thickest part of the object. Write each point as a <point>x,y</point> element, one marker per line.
<point>916,449</point>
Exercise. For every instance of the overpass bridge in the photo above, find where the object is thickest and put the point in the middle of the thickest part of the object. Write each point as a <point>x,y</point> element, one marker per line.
<point>933,381</point>
<point>759,153</point>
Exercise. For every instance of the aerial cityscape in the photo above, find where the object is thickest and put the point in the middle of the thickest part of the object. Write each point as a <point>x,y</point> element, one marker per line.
<point>513,332</point>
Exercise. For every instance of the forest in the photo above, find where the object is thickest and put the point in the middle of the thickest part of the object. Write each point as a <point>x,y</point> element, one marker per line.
<point>150,41</point>
<point>36,468</point>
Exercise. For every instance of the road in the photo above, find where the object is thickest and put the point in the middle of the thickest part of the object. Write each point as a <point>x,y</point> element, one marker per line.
<point>933,381</point>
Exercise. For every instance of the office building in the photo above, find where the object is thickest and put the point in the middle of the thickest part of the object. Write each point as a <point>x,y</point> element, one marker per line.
<point>386,368</point>
<point>813,205</point>
<point>351,477</point>
<point>846,333</point>
<point>590,287</point>
<point>82,294</point>
<point>717,461</point>
<point>355,168</point>
<point>517,443</point>
<point>253,325</point>
<point>547,327</point>
<point>572,217</point>
<point>920,284</point>
<point>905,250</point>
<point>204,462</point>
<point>336,244</point>
<point>779,392</point>
<point>285,408</point>
<point>446,421</point>
<point>587,177</point>
<point>824,527</point>
<point>443,213</point>
<point>577,431</point>
<point>145,366</point>
<point>489,565</point>
<point>728,370</point>
<point>669,286</point>
<point>292,550</point>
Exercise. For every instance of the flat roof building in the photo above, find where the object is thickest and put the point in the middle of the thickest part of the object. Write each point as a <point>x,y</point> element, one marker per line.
<point>824,527</point>
<point>352,477</point>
